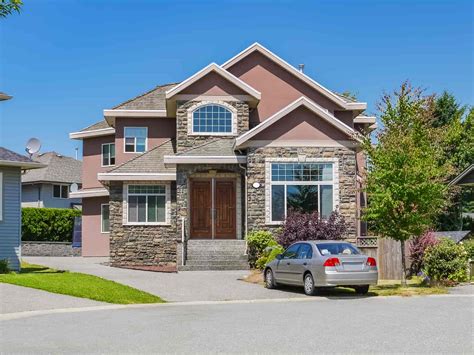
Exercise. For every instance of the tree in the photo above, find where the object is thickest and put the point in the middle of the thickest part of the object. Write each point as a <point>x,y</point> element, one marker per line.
<point>405,183</point>
<point>7,7</point>
<point>446,109</point>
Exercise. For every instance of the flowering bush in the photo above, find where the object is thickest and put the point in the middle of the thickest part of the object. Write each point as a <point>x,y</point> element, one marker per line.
<point>416,251</point>
<point>446,262</point>
<point>309,226</point>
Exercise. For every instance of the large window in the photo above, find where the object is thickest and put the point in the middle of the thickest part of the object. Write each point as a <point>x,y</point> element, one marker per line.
<point>105,218</point>
<point>212,119</point>
<point>60,191</point>
<point>135,139</point>
<point>108,154</point>
<point>147,203</point>
<point>306,187</point>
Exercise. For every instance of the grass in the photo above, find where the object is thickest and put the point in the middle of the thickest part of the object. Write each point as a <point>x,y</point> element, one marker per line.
<point>77,284</point>
<point>384,287</point>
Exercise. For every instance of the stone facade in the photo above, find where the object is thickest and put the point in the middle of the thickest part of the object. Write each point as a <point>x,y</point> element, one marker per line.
<point>49,249</point>
<point>184,110</point>
<point>258,208</point>
<point>141,246</point>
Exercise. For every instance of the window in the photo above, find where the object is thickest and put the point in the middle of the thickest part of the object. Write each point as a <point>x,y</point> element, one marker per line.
<point>305,252</point>
<point>108,154</point>
<point>213,119</point>
<point>135,139</point>
<point>337,249</point>
<point>306,187</point>
<point>60,191</point>
<point>291,252</point>
<point>105,218</point>
<point>147,203</point>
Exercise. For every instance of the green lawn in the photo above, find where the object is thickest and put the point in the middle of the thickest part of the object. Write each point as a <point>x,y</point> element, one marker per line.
<point>77,284</point>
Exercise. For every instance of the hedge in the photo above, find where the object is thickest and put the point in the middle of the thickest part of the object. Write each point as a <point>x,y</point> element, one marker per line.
<point>48,224</point>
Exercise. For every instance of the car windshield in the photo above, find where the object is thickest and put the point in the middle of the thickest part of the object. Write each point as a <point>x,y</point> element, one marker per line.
<point>337,249</point>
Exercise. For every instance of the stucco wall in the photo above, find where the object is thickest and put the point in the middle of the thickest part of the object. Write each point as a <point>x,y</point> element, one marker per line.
<point>92,160</point>
<point>213,84</point>
<point>94,243</point>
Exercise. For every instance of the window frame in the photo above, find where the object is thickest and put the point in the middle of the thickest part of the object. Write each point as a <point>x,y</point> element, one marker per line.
<point>60,191</point>
<point>233,113</point>
<point>166,194</point>
<point>102,205</point>
<point>135,140</point>
<point>286,183</point>
<point>102,154</point>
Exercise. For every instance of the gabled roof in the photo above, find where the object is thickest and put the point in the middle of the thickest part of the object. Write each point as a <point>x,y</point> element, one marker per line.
<point>458,179</point>
<point>147,166</point>
<point>219,150</point>
<point>153,99</point>
<point>302,101</point>
<point>57,168</point>
<point>97,129</point>
<point>213,67</point>
<point>10,158</point>
<point>336,98</point>
<point>456,236</point>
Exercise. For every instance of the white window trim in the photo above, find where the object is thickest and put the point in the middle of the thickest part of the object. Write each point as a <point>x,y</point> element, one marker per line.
<point>197,106</point>
<point>102,218</point>
<point>102,154</point>
<point>302,160</point>
<point>135,142</point>
<point>60,190</point>
<point>1,196</point>
<point>167,221</point>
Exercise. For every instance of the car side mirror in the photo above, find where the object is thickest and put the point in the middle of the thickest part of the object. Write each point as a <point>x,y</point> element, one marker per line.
<point>279,256</point>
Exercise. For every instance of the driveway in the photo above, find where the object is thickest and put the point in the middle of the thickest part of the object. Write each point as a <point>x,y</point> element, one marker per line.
<point>174,287</point>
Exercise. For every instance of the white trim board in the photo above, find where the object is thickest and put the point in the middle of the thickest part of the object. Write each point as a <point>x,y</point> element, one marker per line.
<point>99,192</point>
<point>202,159</point>
<point>213,67</point>
<point>22,165</point>
<point>272,56</point>
<point>134,113</point>
<point>94,133</point>
<point>136,176</point>
<point>302,101</point>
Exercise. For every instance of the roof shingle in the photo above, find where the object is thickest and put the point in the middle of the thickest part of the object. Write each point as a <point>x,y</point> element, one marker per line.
<point>216,147</point>
<point>59,169</point>
<point>11,156</point>
<point>150,100</point>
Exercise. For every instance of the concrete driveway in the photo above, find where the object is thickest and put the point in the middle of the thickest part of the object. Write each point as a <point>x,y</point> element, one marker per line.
<point>173,287</point>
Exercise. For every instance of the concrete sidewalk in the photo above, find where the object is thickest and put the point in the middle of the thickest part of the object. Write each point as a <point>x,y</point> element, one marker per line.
<point>173,287</point>
<point>20,299</point>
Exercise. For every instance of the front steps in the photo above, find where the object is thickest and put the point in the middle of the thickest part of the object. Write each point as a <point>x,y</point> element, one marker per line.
<point>215,255</point>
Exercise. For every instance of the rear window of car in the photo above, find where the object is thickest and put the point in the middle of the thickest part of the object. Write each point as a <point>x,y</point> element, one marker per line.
<point>337,249</point>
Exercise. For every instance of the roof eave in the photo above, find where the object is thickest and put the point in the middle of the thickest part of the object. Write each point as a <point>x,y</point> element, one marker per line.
<point>203,159</point>
<point>171,176</point>
<point>22,165</point>
<point>93,133</point>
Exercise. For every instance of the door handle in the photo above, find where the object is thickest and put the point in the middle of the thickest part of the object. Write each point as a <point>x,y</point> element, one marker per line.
<point>288,263</point>
<point>305,264</point>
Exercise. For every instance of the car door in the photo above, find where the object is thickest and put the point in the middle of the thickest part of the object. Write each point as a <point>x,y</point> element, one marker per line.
<point>285,268</point>
<point>302,262</point>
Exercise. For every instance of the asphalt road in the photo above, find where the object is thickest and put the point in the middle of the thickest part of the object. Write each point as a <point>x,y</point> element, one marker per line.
<point>435,324</point>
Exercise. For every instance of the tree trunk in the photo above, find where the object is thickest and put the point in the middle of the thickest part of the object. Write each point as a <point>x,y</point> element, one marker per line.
<point>404,279</point>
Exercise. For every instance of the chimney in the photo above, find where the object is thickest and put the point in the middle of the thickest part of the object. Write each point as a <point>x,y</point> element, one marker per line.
<point>301,68</point>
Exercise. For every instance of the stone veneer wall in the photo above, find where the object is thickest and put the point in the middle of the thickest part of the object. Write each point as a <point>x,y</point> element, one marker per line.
<point>141,246</point>
<point>185,171</point>
<point>186,141</point>
<point>256,173</point>
<point>49,249</point>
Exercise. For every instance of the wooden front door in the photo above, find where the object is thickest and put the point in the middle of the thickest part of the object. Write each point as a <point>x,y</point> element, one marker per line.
<point>213,209</point>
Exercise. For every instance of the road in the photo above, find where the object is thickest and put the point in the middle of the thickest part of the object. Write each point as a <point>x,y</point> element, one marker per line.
<point>434,324</point>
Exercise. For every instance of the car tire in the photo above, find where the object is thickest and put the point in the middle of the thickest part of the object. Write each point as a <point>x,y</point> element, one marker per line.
<point>362,290</point>
<point>309,287</point>
<point>270,279</point>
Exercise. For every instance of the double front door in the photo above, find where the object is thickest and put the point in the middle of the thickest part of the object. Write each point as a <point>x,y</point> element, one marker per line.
<point>212,209</point>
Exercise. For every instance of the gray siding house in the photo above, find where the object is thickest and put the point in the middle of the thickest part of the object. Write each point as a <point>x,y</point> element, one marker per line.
<point>50,186</point>
<point>11,166</point>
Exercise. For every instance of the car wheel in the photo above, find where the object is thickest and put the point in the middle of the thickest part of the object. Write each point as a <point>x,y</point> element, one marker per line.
<point>269,279</point>
<point>362,290</point>
<point>309,287</point>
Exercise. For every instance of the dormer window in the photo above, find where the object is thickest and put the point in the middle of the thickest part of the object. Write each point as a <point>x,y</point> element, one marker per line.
<point>212,119</point>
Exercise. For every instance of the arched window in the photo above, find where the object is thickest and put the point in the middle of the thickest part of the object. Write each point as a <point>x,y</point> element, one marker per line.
<point>212,119</point>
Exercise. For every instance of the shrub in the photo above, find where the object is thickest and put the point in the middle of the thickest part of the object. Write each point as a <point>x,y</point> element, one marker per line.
<point>446,262</point>
<point>309,226</point>
<point>416,250</point>
<point>4,268</point>
<point>269,254</point>
<point>469,247</point>
<point>48,224</point>
<point>257,241</point>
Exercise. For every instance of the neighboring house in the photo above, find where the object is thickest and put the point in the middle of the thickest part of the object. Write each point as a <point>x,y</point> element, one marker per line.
<point>11,166</point>
<point>50,186</point>
<point>227,151</point>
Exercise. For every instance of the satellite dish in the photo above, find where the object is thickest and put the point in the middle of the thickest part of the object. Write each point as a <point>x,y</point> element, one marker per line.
<point>33,146</point>
<point>74,187</point>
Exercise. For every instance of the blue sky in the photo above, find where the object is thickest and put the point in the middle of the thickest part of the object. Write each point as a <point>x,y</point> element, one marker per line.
<point>65,61</point>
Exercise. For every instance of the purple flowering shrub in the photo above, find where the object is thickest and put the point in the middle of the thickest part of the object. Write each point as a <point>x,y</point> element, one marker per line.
<point>416,250</point>
<point>300,226</point>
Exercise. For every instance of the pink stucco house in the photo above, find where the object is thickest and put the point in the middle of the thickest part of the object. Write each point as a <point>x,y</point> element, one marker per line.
<point>222,153</point>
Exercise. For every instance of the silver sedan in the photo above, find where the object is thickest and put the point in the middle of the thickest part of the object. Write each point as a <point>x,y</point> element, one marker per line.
<point>317,264</point>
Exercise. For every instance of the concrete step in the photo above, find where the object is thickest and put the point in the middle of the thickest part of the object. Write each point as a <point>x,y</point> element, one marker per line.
<point>216,262</point>
<point>213,267</point>
<point>234,257</point>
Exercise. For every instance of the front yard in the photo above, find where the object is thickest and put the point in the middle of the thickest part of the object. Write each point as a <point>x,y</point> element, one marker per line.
<point>77,284</point>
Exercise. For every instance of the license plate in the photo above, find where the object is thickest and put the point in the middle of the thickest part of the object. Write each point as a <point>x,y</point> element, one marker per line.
<point>353,266</point>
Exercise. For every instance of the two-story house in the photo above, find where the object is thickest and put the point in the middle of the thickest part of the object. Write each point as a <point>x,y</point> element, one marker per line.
<point>227,151</point>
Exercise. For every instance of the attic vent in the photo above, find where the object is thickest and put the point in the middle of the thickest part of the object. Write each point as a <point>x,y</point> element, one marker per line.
<point>301,68</point>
